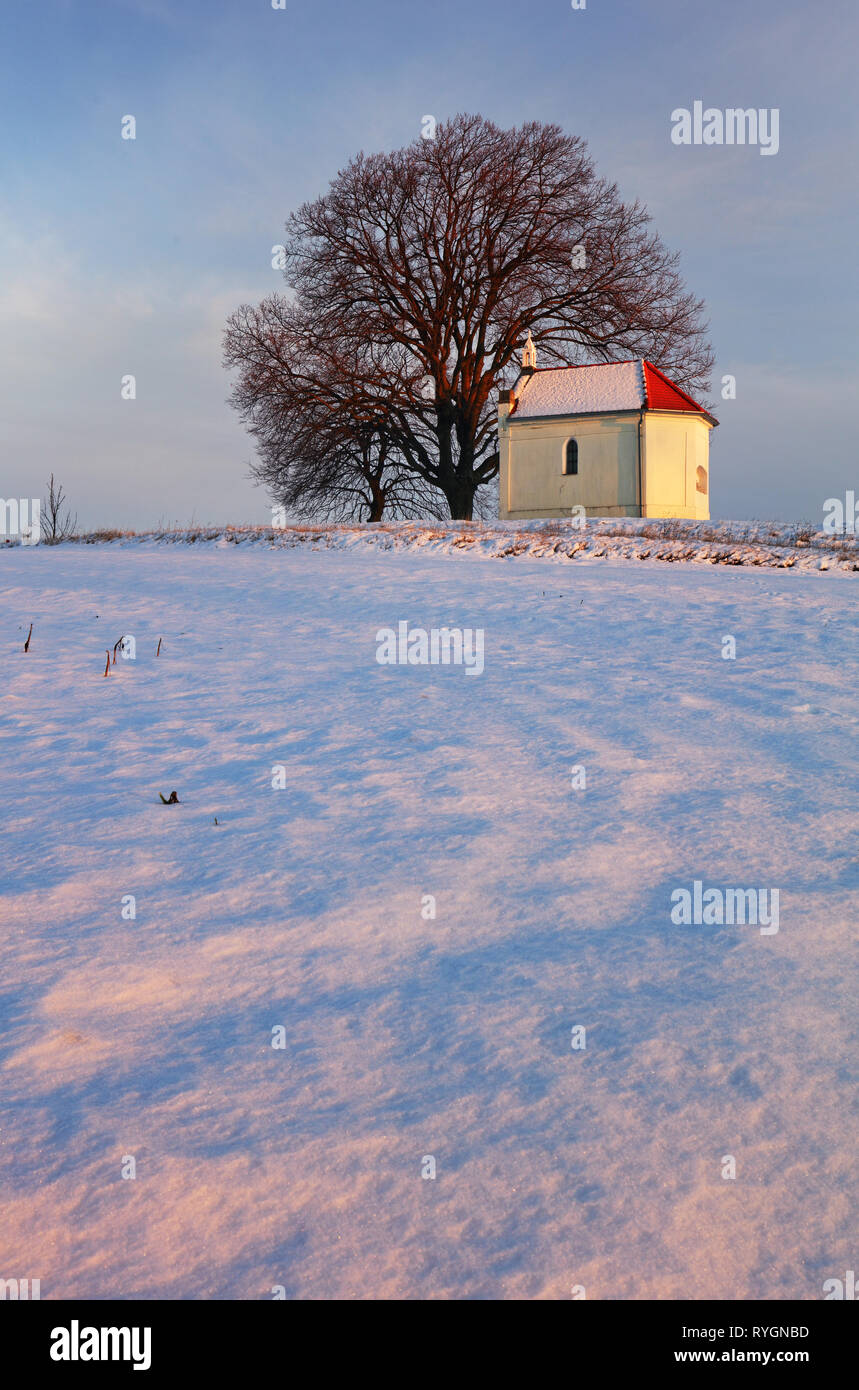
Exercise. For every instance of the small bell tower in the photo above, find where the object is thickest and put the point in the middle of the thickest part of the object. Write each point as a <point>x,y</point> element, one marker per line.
<point>529,356</point>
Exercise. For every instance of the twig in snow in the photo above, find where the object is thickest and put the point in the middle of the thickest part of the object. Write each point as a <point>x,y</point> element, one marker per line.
<point>29,635</point>
<point>171,800</point>
<point>160,640</point>
<point>107,664</point>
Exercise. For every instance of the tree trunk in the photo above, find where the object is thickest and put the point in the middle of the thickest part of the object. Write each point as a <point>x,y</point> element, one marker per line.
<point>460,499</point>
<point>455,479</point>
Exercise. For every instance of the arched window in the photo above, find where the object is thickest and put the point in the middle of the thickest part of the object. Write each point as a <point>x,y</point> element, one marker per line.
<point>701,479</point>
<point>571,458</point>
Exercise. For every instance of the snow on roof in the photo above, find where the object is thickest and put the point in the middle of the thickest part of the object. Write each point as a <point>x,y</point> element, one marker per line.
<point>603,387</point>
<point>581,390</point>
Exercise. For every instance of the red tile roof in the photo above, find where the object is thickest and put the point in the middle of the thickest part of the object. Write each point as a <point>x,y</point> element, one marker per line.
<point>662,394</point>
<point>600,388</point>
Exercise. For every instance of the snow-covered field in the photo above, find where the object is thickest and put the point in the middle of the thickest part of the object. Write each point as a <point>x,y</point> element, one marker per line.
<point>407,1036</point>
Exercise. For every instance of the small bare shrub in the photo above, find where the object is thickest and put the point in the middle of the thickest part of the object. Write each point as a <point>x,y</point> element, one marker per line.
<point>56,521</point>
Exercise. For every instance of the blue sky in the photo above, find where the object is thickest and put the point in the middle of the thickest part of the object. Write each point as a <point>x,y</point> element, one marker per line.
<point>121,257</point>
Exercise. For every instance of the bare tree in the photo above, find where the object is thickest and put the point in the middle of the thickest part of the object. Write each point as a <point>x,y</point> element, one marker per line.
<point>324,445</point>
<point>428,266</point>
<point>57,523</point>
